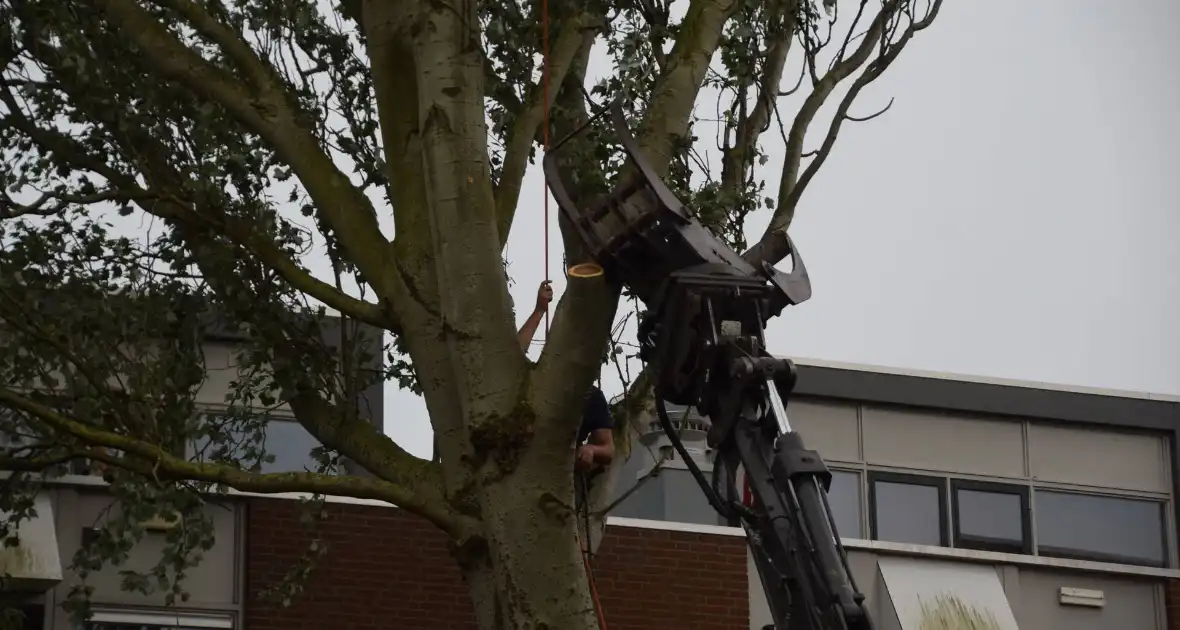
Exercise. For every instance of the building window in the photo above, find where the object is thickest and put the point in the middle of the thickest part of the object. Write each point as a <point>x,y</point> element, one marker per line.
<point>990,516</point>
<point>908,508</point>
<point>683,500</point>
<point>844,500</point>
<point>156,620</point>
<point>285,440</point>
<point>1100,528</point>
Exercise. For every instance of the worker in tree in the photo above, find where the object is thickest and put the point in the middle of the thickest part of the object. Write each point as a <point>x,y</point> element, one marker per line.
<point>595,444</point>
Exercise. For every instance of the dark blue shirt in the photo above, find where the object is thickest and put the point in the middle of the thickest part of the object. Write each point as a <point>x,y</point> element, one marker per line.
<point>595,414</point>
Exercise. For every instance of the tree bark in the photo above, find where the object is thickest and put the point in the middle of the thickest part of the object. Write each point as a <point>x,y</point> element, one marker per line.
<point>504,426</point>
<point>527,573</point>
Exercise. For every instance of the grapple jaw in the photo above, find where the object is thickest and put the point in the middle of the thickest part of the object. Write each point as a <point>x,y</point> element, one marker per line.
<point>641,234</point>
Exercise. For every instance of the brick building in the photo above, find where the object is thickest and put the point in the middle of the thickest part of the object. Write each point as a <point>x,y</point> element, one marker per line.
<point>1039,507</point>
<point>385,566</point>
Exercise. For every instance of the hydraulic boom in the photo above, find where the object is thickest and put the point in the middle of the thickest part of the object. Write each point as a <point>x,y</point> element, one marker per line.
<point>704,336</point>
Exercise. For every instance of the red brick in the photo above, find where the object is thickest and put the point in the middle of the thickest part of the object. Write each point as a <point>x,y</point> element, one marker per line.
<point>386,569</point>
<point>1172,601</point>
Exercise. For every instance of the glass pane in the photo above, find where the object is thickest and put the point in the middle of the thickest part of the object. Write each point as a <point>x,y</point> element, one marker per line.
<point>684,501</point>
<point>844,499</point>
<point>1111,529</point>
<point>907,513</point>
<point>989,516</point>
<point>286,440</point>
<point>291,446</point>
<point>644,502</point>
<point>643,498</point>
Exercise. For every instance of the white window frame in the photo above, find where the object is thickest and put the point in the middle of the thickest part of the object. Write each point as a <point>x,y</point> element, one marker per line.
<point>180,620</point>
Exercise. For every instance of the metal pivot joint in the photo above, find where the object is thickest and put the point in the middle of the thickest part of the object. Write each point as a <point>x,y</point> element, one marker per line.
<point>703,334</point>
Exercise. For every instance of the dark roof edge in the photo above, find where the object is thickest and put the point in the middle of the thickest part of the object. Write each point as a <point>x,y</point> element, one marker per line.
<point>974,378</point>
<point>871,384</point>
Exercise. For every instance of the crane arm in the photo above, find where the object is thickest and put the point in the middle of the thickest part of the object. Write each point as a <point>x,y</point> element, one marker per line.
<point>703,334</point>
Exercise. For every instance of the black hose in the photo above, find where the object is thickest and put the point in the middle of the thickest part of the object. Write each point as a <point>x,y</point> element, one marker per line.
<point>666,424</point>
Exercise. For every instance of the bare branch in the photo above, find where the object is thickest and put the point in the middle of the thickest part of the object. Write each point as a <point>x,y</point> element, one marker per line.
<point>816,99</point>
<point>772,246</point>
<point>851,36</point>
<point>870,116</point>
<point>872,72</point>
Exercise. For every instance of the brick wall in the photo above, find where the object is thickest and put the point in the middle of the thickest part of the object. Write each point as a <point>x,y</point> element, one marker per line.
<point>1172,601</point>
<point>651,579</point>
<point>388,570</point>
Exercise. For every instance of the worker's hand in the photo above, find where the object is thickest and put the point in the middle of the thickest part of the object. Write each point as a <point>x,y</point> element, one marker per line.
<point>544,297</point>
<point>584,458</point>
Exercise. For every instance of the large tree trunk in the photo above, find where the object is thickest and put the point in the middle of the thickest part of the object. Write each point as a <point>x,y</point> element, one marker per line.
<point>505,427</point>
<point>529,574</point>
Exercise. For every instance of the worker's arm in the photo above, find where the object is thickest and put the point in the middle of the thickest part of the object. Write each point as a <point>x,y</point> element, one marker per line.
<point>599,448</point>
<point>529,329</point>
<point>602,446</point>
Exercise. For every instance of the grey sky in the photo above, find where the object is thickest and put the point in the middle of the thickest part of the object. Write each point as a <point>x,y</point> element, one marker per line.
<point>1013,215</point>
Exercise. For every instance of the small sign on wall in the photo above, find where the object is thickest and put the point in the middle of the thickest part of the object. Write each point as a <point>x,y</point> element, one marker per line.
<point>1081,597</point>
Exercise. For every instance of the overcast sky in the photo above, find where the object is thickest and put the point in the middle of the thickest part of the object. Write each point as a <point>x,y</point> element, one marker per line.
<point>1013,215</point>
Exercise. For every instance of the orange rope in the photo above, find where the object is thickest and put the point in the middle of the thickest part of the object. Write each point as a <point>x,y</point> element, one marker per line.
<point>594,591</point>
<point>545,141</point>
<point>545,130</point>
<point>585,549</point>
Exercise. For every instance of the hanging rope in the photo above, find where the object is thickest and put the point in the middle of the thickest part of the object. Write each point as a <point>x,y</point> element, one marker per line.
<point>545,131</point>
<point>584,508</point>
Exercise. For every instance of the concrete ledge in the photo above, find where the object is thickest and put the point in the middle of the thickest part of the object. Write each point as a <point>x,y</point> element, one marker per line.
<point>991,557</point>
<point>852,544</point>
<point>669,526</point>
<point>902,549</point>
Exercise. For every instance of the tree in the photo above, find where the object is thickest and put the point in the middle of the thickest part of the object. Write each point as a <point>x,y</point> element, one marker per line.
<point>206,124</point>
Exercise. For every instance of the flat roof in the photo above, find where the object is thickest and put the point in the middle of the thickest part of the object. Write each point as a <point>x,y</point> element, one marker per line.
<point>873,384</point>
<point>988,380</point>
<point>975,394</point>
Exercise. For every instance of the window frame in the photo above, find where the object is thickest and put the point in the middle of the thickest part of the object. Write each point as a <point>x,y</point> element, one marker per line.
<point>1025,545</point>
<point>1097,556</point>
<point>271,419</point>
<point>934,481</point>
<point>162,618</point>
<point>861,524</point>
